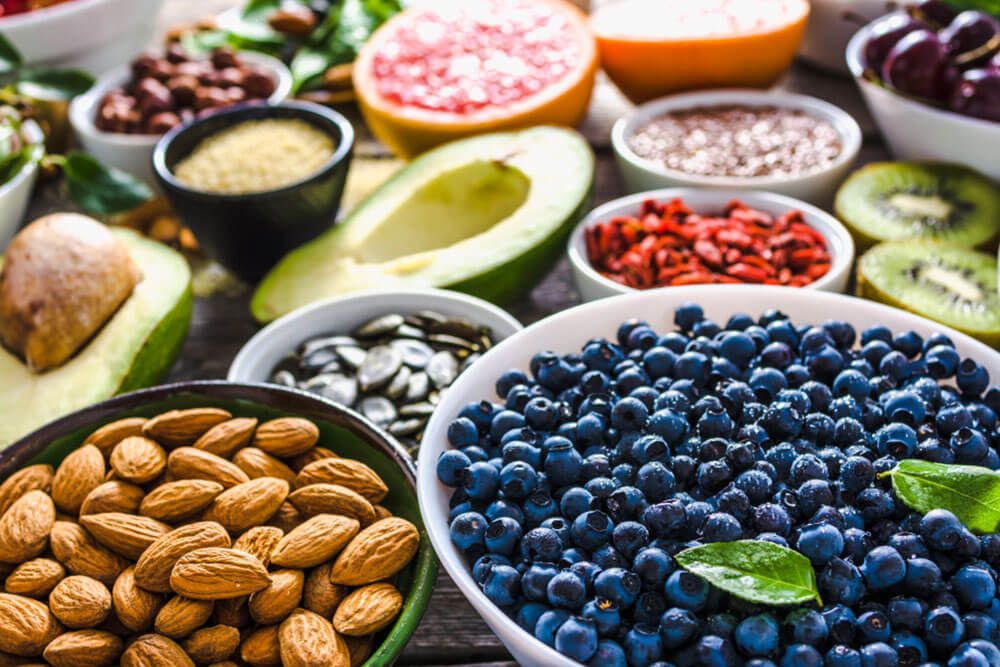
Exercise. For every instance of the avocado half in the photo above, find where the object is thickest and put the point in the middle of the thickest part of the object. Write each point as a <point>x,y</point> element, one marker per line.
<point>134,349</point>
<point>485,215</point>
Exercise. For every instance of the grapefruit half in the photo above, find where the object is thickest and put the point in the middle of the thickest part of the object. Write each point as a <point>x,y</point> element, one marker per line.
<point>446,70</point>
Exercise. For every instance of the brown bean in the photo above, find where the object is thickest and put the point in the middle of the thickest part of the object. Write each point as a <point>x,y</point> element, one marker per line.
<point>230,76</point>
<point>162,122</point>
<point>176,54</point>
<point>182,87</point>
<point>209,97</point>
<point>143,66</point>
<point>258,82</point>
<point>224,57</point>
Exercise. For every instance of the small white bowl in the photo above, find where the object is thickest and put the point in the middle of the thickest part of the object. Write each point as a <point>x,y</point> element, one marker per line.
<point>93,35</point>
<point>258,357</point>
<point>133,153</point>
<point>917,131</point>
<point>592,285</point>
<point>817,187</point>
<point>566,332</point>
<point>831,25</point>
<point>16,193</point>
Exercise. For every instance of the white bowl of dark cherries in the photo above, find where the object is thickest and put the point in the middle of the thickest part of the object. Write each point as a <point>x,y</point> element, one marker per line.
<point>931,78</point>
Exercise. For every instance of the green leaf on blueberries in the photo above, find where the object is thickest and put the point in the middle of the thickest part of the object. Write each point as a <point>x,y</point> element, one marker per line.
<point>753,570</point>
<point>10,57</point>
<point>102,190</point>
<point>49,83</point>
<point>971,493</point>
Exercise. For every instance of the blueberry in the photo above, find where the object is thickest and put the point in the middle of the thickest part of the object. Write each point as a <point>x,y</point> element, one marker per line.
<point>941,529</point>
<point>693,366</point>
<point>484,563</point>
<point>575,501</point>
<point>629,414</point>
<point>721,527</point>
<point>820,543</point>
<point>910,648</point>
<point>605,615</point>
<point>609,654</point>
<point>969,445</point>
<point>541,544</point>
<point>687,315</point>
<point>653,565</point>
<point>801,655</point>
<point>548,623</point>
<point>643,645</point>
<point>972,378</point>
<point>686,590</point>
<point>714,651</point>
<point>629,537</point>
<point>974,587</point>
<point>988,649</point>
<point>841,623</point>
<point>943,629</point>
<point>502,536</point>
<point>677,627</point>
<point>841,582</point>
<point>967,656</point>
<point>979,625</point>
<point>529,613</point>
<point>538,507</point>
<point>577,638</point>
<point>563,462</point>
<point>450,466</point>
<point>842,656</point>
<point>758,635</point>
<point>771,518</point>
<point>561,528</point>
<point>922,576</point>
<point>906,613</point>
<point>874,626</point>
<point>655,481</point>
<point>467,531</point>
<point>878,654</point>
<point>592,529</point>
<point>766,383</point>
<point>566,589</point>
<point>535,581</point>
<point>502,585</point>
<point>897,440</point>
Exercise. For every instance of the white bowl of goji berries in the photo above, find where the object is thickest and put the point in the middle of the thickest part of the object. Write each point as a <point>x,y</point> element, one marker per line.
<point>692,236</point>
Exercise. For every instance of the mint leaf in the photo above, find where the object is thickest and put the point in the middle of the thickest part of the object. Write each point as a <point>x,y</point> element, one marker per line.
<point>754,570</point>
<point>49,83</point>
<point>971,493</point>
<point>10,57</point>
<point>102,190</point>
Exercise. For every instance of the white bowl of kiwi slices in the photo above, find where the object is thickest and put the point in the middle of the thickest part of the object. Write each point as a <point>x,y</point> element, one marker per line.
<point>924,227</point>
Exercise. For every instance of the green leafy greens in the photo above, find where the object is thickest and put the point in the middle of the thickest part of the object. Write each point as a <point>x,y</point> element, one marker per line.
<point>754,570</point>
<point>971,493</point>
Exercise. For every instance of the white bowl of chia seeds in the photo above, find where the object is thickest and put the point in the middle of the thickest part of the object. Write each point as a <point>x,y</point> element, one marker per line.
<point>390,355</point>
<point>791,144</point>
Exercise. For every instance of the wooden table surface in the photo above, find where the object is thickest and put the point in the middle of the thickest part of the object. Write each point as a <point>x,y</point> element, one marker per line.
<point>451,632</point>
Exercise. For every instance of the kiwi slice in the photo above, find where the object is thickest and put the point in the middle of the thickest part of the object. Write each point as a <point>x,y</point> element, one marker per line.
<point>949,284</point>
<point>895,201</point>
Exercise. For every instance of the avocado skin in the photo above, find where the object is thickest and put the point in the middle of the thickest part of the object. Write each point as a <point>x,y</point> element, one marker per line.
<point>151,365</point>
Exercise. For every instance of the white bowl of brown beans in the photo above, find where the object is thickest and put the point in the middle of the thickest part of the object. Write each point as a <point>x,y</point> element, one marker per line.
<point>775,141</point>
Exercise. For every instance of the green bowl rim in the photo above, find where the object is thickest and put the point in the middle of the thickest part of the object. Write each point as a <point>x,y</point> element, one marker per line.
<point>283,399</point>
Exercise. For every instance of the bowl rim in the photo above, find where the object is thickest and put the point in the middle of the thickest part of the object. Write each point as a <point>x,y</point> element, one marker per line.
<point>843,122</point>
<point>837,237</point>
<point>425,563</point>
<point>435,513</point>
<point>33,135</point>
<point>857,68</point>
<point>82,107</point>
<point>231,116</point>
<point>239,371</point>
<point>34,17</point>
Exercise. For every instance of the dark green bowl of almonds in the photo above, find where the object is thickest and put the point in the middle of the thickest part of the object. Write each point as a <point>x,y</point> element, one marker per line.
<point>387,354</point>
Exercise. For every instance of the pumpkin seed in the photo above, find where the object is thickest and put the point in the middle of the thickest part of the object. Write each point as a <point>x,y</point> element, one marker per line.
<point>284,378</point>
<point>378,409</point>
<point>380,326</point>
<point>406,427</point>
<point>416,410</point>
<point>442,369</point>
<point>418,387</point>
<point>415,353</point>
<point>340,389</point>
<point>381,364</point>
<point>397,387</point>
<point>352,356</point>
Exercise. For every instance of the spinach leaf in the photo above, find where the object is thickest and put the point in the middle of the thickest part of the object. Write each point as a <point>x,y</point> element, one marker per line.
<point>102,190</point>
<point>754,570</point>
<point>49,83</point>
<point>990,6</point>
<point>971,493</point>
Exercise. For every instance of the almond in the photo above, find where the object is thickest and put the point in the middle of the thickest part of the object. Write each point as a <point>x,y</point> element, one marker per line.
<point>260,648</point>
<point>286,436</point>
<point>225,438</point>
<point>287,518</point>
<point>35,578</point>
<point>368,609</point>
<point>213,644</point>
<point>25,527</point>
<point>332,499</point>
<point>233,612</point>
<point>360,649</point>
<point>80,602</point>
<point>191,463</point>
<point>77,550</point>
<point>175,501</point>
<point>258,463</point>
<point>315,454</point>
<point>155,651</point>
<point>318,539</point>
<point>215,573</point>
<point>377,552</point>
<point>26,625</point>
<point>259,542</point>
<point>152,570</point>
<point>307,639</point>
<point>113,496</point>
<point>382,512</point>
<point>109,435</point>
<point>134,607</point>
<point>138,460</point>
<point>320,594</point>
<point>279,599</point>
<point>84,648</point>
<point>355,475</point>
<point>128,535</point>
<point>179,428</point>
<point>181,616</point>
<point>81,472</point>
<point>249,504</point>
<point>33,478</point>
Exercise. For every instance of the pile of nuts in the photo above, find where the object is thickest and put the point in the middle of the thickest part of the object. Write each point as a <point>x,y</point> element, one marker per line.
<point>196,538</point>
<point>167,91</point>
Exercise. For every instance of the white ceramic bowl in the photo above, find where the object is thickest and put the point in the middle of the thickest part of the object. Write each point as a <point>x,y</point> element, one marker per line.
<point>261,354</point>
<point>817,187</point>
<point>94,35</point>
<point>134,152</point>
<point>16,193</point>
<point>831,25</point>
<point>592,285</point>
<point>567,332</point>
<point>917,131</point>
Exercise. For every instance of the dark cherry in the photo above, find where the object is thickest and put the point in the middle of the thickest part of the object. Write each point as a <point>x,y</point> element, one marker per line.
<point>885,35</point>
<point>935,12</point>
<point>972,37</point>
<point>919,65</point>
<point>977,94</point>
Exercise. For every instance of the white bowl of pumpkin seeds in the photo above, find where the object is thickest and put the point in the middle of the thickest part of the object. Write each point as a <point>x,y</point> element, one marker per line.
<point>389,355</point>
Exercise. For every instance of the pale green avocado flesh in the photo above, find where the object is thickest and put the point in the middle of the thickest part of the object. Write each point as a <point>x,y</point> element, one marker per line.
<point>134,349</point>
<point>484,215</point>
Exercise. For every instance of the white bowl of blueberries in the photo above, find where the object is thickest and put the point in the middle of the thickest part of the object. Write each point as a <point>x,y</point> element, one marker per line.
<point>679,476</point>
<point>931,78</point>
